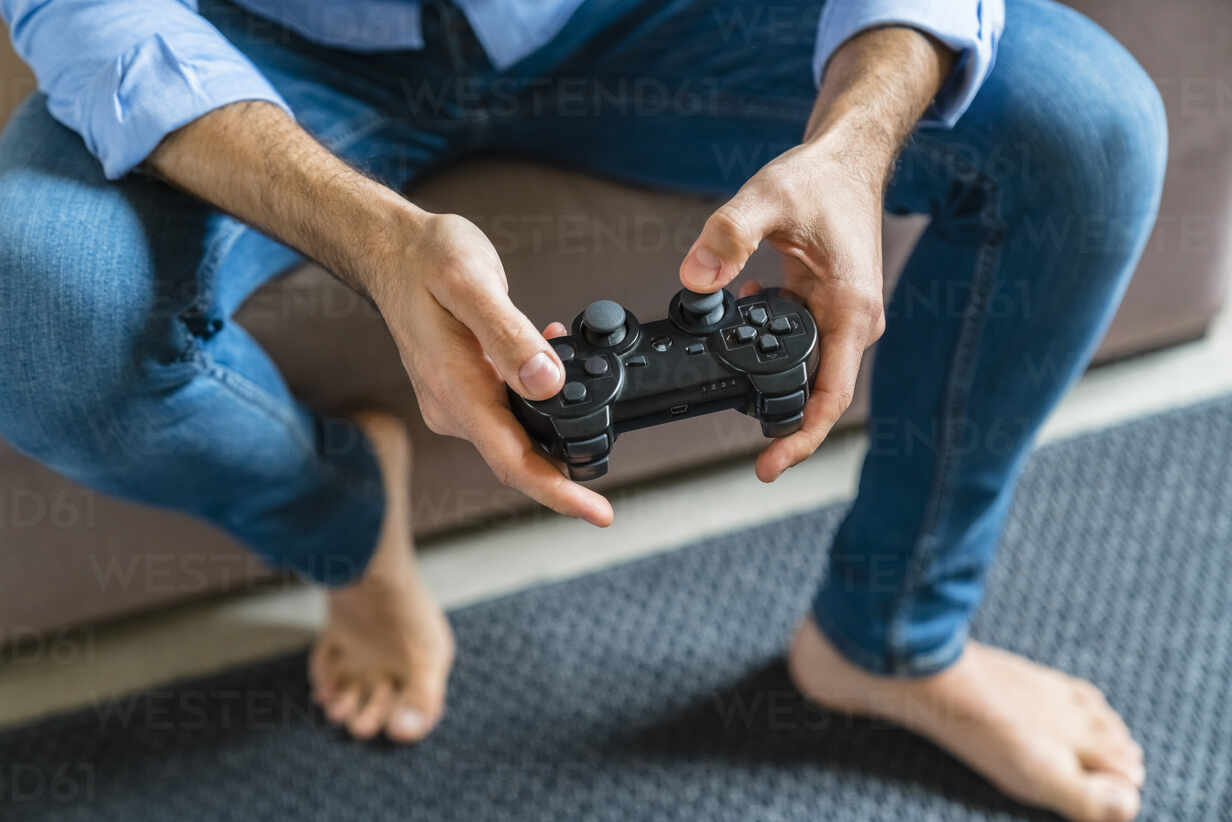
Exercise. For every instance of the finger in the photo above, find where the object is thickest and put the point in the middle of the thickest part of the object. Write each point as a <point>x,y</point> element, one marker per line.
<point>553,330</point>
<point>842,351</point>
<point>727,240</point>
<point>520,464</point>
<point>750,288</point>
<point>520,353</point>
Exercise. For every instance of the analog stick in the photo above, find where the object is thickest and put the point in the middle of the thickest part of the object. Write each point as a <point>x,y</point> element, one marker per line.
<point>603,323</point>
<point>702,309</point>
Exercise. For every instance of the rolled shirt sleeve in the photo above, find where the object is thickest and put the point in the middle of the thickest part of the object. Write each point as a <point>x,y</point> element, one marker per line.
<point>125,73</point>
<point>969,27</point>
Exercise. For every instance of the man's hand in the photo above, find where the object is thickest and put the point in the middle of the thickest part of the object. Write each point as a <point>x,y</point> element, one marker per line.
<point>435,278</point>
<point>820,206</point>
<point>462,340</point>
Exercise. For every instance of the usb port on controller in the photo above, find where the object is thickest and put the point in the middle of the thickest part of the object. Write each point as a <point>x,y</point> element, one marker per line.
<point>677,410</point>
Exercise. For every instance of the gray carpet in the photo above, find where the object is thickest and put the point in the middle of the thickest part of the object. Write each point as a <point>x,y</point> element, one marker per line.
<point>656,691</point>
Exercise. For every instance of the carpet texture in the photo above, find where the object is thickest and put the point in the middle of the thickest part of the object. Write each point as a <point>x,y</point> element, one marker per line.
<point>656,690</point>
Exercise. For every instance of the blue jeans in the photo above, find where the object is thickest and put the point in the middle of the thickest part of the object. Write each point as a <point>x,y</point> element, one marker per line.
<point>123,369</point>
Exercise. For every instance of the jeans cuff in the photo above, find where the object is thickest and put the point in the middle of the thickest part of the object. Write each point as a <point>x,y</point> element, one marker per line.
<point>884,660</point>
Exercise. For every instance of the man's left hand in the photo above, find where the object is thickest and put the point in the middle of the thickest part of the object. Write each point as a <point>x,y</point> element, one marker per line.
<point>821,209</point>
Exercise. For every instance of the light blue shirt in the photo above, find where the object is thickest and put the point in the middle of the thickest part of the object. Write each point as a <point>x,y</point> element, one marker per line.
<point>125,73</point>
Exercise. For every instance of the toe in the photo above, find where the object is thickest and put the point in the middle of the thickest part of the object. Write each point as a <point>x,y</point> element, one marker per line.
<point>419,708</point>
<point>344,704</point>
<point>369,719</point>
<point>407,724</point>
<point>1113,754</point>
<point>321,674</point>
<point>1085,796</point>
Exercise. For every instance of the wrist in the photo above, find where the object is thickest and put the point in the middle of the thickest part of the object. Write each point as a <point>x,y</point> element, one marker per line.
<point>374,246</point>
<point>875,88</point>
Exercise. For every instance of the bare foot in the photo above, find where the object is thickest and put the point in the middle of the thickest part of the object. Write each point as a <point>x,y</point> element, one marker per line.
<point>1041,736</point>
<point>383,660</point>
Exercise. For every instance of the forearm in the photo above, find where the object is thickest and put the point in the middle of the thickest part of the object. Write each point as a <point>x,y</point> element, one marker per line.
<point>875,89</point>
<point>254,161</point>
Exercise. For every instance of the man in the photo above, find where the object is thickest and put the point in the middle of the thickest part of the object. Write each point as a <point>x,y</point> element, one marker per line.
<point>123,368</point>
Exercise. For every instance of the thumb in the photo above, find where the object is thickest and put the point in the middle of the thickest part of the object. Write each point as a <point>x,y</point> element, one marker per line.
<point>524,359</point>
<point>728,239</point>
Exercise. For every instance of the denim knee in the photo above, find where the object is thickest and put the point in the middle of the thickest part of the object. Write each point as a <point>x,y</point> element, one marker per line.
<point>86,344</point>
<point>1082,128</point>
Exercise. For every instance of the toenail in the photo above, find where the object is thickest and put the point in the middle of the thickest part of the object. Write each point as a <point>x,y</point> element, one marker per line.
<point>1122,802</point>
<point>409,721</point>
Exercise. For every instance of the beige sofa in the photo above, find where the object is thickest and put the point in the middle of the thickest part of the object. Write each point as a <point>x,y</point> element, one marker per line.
<point>68,555</point>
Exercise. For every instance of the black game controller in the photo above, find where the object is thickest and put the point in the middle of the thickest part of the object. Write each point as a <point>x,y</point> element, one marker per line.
<point>757,355</point>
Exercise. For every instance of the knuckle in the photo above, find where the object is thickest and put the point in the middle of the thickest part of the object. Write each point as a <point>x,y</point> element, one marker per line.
<point>433,418</point>
<point>784,187</point>
<point>505,474</point>
<point>836,404</point>
<point>435,413</point>
<point>877,324</point>
<point>729,225</point>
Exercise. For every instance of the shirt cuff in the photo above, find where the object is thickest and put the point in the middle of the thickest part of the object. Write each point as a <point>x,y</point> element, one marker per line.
<point>969,27</point>
<point>154,88</point>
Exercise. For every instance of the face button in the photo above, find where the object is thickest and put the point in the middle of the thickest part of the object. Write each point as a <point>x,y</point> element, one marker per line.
<point>636,362</point>
<point>780,325</point>
<point>745,334</point>
<point>661,344</point>
<point>759,316</point>
<point>574,392</point>
<point>694,348</point>
<point>767,343</point>
<point>603,322</point>
<point>595,366</point>
<point>564,351</point>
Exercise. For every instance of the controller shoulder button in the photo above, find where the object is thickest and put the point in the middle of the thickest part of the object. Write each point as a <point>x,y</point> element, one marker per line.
<point>596,422</point>
<point>588,470</point>
<point>786,404</point>
<point>783,382</point>
<point>586,450</point>
<point>783,427</point>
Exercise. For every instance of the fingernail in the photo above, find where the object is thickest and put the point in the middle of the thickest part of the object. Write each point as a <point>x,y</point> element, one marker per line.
<point>539,374</point>
<point>409,721</point>
<point>1138,773</point>
<point>702,267</point>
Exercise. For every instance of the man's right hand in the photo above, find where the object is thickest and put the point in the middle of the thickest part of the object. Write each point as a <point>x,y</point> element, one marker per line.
<point>445,299</point>
<point>436,279</point>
